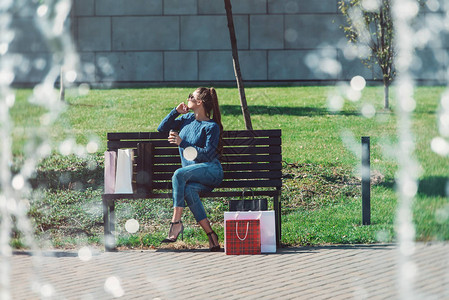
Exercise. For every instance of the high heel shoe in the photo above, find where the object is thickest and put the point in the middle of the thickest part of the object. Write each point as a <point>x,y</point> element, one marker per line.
<point>214,245</point>
<point>172,235</point>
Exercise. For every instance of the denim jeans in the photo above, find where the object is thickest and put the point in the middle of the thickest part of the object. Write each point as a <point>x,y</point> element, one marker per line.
<point>191,180</point>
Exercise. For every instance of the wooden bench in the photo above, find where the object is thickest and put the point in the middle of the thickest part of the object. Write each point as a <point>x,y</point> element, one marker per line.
<point>251,159</point>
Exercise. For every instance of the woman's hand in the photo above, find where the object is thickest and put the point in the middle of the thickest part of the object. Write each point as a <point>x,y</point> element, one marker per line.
<point>174,138</point>
<point>182,108</point>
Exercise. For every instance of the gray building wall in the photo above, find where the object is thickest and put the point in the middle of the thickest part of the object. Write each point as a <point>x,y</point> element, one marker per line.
<point>187,41</point>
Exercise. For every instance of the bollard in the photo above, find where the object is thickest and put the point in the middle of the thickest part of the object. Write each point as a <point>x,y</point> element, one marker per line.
<point>366,201</point>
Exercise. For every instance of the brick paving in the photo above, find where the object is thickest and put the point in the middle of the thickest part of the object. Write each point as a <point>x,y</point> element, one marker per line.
<point>325,272</point>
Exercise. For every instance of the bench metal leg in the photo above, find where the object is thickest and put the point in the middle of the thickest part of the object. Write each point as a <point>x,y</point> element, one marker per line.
<point>277,217</point>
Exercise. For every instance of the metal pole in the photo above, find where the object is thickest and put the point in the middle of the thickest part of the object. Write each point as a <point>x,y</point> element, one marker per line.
<point>366,194</point>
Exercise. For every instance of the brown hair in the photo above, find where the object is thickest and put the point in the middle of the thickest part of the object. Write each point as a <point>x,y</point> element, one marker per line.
<point>210,100</point>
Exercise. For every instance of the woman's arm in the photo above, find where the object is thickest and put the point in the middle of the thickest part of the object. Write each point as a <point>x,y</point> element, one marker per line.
<point>170,122</point>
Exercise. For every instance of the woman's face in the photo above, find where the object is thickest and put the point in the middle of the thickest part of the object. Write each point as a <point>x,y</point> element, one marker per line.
<point>193,101</point>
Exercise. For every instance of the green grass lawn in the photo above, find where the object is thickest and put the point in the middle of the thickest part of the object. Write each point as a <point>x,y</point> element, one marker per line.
<point>321,193</point>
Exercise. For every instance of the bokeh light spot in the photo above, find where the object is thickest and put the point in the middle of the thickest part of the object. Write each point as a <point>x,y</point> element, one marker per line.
<point>132,225</point>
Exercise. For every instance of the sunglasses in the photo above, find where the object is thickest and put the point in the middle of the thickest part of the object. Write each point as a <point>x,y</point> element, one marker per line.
<point>192,98</point>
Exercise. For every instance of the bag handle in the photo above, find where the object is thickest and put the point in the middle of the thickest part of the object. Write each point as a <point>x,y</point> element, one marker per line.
<point>237,232</point>
<point>243,193</point>
<point>237,215</point>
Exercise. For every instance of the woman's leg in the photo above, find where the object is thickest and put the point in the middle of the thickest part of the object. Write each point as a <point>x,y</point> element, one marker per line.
<point>177,214</point>
<point>214,244</point>
<point>196,206</point>
<point>176,226</point>
<point>208,174</point>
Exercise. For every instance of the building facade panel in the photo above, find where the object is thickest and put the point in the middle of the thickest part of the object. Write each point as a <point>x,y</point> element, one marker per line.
<point>94,34</point>
<point>145,33</point>
<point>127,7</point>
<point>301,6</point>
<point>267,32</point>
<point>181,66</point>
<point>130,66</point>
<point>211,32</point>
<point>180,7</point>
<point>312,31</point>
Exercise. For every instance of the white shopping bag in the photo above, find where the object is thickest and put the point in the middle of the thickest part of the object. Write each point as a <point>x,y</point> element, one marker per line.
<point>110,160</point>
<point>267,226</point>
<point>124,172</point>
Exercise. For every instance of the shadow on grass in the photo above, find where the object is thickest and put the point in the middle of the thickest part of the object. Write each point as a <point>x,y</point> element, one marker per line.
<point>433,186</point>
<point>236,110</point>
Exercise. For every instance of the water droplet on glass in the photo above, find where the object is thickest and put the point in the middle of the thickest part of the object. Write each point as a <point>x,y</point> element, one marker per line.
<point>439,146</point>
<point>190,153</point>
<point>371,5</point>
<point>92,147</point>
<point>291,35</point>
<point>433,5</point>
<point>368,111</point>
<point>47,290</point>
<point>42,10</point>
<point>442,215</point>
<point>66,147</point>
<point>83,89</point>
<point>410,188</point>
<point>4,48</point>
<point>84,254</point>
<point>335,103</point>
<point>10,100</point>
<point>6,77</point>
<point>70,76</point>
<point>18,182</point>
<point>113,287</point>
<point>132,226</point>
<point>353,95</point>
<point>358,83</point>
<point>330,66</point>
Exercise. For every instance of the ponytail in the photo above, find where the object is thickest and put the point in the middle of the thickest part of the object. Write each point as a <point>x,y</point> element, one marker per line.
<point>217,117</point>
<point>210,101</point>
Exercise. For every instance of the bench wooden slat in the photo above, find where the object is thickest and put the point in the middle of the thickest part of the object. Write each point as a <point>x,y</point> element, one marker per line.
<point>236,158</point>
<point>163,135</point>
<point>115,144</point>
<point>226,151</point>
<point>229,175</point>
<point>229,184</point>
<point>249,133</point>
<point>215,193</point>
<point>227,166</point>
<point>114,136</point>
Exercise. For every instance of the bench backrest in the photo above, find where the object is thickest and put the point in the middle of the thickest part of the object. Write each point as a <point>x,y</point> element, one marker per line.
<point>251,159</point>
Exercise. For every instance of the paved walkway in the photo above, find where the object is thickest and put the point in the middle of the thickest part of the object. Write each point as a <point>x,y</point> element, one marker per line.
<point>327,272</point>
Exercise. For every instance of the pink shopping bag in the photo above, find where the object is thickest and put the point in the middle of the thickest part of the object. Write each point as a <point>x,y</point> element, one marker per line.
<point>110,160</point>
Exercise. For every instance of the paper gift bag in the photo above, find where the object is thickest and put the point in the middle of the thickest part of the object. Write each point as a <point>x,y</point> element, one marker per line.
<point>242,237</point>
<point>252,204</point>
<point>267,226</point>
<point>110,159</point>
<point>124,172</point>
